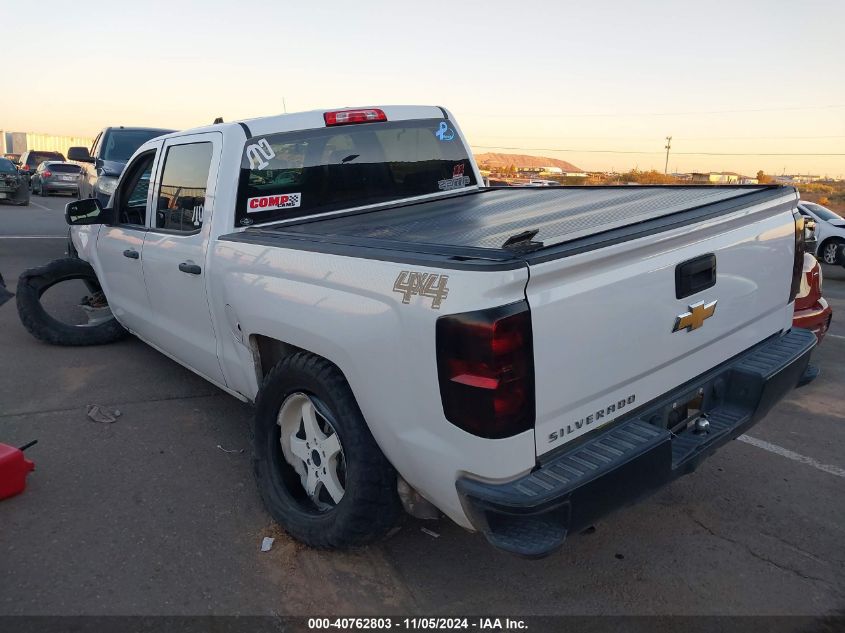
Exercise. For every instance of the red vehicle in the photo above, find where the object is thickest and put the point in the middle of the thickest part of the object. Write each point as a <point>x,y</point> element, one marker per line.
<point>811,309</point>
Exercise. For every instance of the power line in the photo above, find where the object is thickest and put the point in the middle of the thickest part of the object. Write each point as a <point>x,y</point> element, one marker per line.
<point>614,151</point>
<point>523,115</point>
<point>648,138</point>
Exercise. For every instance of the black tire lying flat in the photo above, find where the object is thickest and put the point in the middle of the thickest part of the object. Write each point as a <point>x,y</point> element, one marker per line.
<point>370,504</point>
<point>33,283</point>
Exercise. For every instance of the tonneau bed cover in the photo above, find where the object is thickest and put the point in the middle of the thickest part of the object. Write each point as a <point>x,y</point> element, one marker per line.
<point>477,225</point>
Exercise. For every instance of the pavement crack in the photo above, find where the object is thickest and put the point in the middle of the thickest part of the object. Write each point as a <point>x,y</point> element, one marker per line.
<point>801,550</point>
<point>758,556</point>
<point>111,404</point>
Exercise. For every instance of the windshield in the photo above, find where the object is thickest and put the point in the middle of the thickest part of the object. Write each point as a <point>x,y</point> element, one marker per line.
<point>121,144</point>
<point>6,166</point>
<point>822,212</point>
<point>294,174</point>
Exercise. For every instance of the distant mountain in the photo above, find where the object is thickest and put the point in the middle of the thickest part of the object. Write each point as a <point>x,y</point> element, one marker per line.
<point>494,159</point>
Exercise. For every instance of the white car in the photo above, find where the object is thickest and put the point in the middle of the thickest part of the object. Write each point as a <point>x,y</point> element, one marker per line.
<point>830,232</point>
<point>524,360</point>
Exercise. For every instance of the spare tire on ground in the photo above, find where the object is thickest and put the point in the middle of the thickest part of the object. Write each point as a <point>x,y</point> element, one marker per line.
<point>101,327</point>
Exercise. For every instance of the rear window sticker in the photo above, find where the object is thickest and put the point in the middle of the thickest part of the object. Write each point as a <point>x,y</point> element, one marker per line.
<point>457,180</point>
<point>259,154</point>
<point>444,132</point>
<point>271,203</point>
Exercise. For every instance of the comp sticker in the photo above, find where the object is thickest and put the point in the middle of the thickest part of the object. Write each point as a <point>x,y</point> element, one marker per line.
<point>271,203</point>
<point>457,180</point>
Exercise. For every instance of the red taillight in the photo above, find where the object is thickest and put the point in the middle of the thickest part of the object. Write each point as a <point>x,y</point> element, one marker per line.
<point>24,167</point>
<point>798,262</point>
<point>485,365</point>
<point>346,117</point>
<point>47,174</point>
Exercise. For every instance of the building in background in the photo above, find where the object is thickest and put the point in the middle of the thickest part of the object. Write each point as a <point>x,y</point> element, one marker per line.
<point>722,178</point>
<point>796,179</point>
<point>20,142</point>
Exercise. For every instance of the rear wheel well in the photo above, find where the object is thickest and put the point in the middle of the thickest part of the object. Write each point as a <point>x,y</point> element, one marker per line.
<point>832,238</point>
<point>267,352</point>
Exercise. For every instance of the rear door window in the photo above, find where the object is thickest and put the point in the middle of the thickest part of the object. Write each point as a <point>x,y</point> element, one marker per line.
<point>294,174</point>
<point>181,196</point>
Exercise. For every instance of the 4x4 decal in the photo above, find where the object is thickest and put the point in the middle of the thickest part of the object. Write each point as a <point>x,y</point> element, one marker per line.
<point>431,285</point>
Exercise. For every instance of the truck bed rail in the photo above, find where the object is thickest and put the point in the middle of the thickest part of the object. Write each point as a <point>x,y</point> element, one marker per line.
<point>477,227</point>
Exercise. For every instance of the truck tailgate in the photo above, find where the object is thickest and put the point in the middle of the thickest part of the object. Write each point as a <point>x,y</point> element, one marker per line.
<point>613,328</point>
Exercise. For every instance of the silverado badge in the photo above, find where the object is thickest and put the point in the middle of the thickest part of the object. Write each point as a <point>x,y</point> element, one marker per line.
<point>694,319</point>
<point>431,285</point>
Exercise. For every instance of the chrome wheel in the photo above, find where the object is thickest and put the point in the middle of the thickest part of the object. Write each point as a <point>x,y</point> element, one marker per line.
<point>310,444</point>
<point>829,255</point>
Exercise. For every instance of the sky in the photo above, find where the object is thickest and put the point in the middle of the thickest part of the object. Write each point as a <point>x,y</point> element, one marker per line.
<point>597,83</point>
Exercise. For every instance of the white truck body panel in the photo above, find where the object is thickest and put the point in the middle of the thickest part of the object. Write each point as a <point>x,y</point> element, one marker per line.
<point>342,308</point>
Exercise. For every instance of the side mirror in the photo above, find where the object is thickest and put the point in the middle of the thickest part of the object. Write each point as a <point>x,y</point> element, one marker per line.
<point>80,155</point>
<point>87,211</point>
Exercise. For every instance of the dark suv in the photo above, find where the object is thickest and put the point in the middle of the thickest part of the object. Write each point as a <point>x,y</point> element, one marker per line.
<point>103,164</point>
<point>12,185</point>
<point>31,159</point>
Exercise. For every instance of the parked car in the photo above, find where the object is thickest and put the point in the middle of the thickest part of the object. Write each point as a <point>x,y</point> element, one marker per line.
<point>13,187</point>
<point>15,158</point>
<point>55,176</point>
<point>103,164</point>
<point>812,310</point>
<point>830,232</point>
<point>524,359</point>
<point>31,159</point>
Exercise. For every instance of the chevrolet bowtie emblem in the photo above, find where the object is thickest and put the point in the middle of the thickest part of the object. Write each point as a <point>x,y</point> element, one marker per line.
<point>694,319</point>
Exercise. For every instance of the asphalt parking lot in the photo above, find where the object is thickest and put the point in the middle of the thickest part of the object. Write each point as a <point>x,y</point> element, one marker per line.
<point>158,513</point>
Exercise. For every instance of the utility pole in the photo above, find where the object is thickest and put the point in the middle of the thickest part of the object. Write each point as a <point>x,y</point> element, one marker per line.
<point>668,147</point>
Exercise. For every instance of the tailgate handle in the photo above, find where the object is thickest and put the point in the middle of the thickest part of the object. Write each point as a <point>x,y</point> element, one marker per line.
<point>695,275</point>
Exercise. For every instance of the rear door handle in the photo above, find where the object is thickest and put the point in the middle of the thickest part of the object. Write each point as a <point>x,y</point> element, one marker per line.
<point>131,253</point>
<point>191,269</point>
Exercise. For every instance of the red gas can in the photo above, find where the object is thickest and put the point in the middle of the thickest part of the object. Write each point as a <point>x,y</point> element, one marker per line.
<point>14,468</point>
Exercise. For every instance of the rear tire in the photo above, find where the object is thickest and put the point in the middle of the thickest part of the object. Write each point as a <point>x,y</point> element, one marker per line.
<point>369,505</point>
<point>33,283</point>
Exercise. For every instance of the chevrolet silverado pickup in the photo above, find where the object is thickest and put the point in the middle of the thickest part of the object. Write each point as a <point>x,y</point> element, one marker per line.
<point>522,359</point>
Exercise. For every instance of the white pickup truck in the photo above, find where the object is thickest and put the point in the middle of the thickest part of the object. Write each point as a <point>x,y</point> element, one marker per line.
<point>523,359</point>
